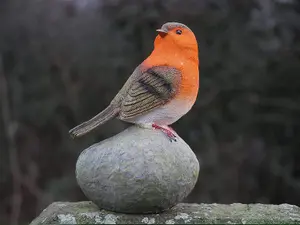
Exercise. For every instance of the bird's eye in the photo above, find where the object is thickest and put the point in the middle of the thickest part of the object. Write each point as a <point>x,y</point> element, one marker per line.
<point>179,32</point>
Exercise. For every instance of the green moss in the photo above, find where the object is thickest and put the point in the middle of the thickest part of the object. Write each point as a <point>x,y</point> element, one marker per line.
<point>88,213</point>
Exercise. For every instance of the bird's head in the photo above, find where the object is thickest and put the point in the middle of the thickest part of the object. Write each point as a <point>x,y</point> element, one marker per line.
<point>173,33</point>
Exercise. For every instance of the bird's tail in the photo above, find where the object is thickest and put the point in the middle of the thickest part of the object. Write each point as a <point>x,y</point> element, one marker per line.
<point>102,117</point>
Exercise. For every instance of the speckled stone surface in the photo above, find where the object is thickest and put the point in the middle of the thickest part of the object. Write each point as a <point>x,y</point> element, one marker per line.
<point>137,171</point>
<point>88,213</point>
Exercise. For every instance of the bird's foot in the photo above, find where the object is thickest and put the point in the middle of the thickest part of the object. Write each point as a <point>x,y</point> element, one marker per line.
<point>167,131</point>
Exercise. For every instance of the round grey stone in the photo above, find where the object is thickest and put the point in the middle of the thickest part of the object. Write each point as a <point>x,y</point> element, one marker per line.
<point>137,171</point>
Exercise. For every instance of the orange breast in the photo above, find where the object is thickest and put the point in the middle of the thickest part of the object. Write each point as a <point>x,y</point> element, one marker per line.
<point>186,64</point>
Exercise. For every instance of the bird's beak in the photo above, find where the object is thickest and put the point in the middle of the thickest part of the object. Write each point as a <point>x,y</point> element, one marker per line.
<point>162,31</point>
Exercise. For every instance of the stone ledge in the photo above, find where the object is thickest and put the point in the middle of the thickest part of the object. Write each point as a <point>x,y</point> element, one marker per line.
<point>88,213</point>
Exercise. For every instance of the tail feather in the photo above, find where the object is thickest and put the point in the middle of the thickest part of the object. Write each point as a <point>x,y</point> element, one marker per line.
<point>107,114</point>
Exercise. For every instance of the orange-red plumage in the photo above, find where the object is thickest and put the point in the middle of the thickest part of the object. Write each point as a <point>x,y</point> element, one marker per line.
<point>181,53</point>
<point>161,89</point>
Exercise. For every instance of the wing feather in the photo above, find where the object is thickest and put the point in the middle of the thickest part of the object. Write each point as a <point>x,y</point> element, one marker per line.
<point>155,87</point>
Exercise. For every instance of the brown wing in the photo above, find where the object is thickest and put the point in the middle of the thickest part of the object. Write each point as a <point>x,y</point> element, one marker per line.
<point>155,87</point>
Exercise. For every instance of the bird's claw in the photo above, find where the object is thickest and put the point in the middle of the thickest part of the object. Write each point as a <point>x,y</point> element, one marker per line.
<point>167,131</point>
<point>172,137</point>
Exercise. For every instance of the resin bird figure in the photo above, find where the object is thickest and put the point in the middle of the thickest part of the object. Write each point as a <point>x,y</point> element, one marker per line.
<point>162,89</point>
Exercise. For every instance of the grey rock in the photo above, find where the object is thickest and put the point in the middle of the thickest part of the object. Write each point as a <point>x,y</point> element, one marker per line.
<point>137,171</point>
<point>88,213</point>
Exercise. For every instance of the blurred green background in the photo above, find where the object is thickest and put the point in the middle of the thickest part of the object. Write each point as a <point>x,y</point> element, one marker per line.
<point>62,61</point>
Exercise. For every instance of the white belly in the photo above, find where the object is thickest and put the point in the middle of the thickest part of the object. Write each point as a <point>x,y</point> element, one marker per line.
<point>164,115</point>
